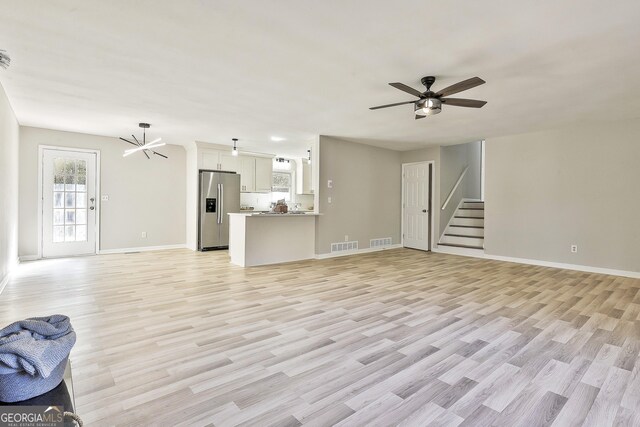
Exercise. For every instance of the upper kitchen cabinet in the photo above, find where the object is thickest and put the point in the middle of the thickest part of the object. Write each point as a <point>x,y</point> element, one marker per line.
<point>218,160</point>
<point>255,174</point>
<point>304,177</point>
<point>264,172</point>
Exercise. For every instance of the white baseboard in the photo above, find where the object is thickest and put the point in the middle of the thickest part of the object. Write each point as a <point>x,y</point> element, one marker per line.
<point>575,267</point>
<point>140,249</point>
<point>11,269</point>
<point>4,281</point>
<point>25,258</point>
<point>356,252</point>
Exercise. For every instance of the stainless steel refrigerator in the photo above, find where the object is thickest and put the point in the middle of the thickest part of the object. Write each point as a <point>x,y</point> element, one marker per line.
<point>219,195</point>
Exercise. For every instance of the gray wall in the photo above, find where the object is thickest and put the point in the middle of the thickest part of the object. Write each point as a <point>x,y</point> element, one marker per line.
<point>9,138</point>
<point>144,195</point>
<point>365,195</point>
<point>547,190</point>
<point>453,160</point>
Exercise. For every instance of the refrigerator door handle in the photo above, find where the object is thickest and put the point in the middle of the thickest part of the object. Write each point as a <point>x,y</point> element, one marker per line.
<point>221,203</point>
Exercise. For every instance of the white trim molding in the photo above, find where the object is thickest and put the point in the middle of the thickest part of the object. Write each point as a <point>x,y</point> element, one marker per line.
<point>541,263</point>
<point>356,252</point>
<point>26,258</point>
<point>10,271</point>
<point>140,249</point>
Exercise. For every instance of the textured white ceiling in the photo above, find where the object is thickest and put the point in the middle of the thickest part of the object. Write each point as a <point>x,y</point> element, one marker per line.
<point>213,70</point>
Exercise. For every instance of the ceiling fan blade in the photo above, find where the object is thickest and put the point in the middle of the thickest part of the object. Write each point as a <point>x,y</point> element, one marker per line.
<point>418,116</point>
<point>158,154</point>
<point>460,102</point>
<point>391,105</point>
<point>460,86</point>
<point>408,89</point>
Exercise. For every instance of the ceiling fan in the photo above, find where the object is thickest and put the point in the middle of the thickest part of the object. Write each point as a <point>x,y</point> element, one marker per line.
<point>430,103</point>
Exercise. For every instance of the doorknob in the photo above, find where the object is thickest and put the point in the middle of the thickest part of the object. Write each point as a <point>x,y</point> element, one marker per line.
<point>424,210</point>
<point>91,208</point>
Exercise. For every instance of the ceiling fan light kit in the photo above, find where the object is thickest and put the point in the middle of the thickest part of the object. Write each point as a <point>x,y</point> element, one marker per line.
<point>429,103</point>
<point>143,145</point>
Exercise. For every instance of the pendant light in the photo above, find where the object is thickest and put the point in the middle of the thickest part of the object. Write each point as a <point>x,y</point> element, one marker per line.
<point>143,145</point>
<point>234,152</point>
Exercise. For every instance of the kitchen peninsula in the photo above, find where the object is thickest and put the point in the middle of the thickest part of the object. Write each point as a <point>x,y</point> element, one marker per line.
<point>271,238</point>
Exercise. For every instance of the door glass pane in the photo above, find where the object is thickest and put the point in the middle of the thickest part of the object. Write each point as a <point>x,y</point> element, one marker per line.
<point>81,200</point>
<point>81,216</point>
<point>58,234</point>
<point>58,183</point>
<point>81,183</point>
<point>58,200</point>
<point>70,216</point>
<point>70,233</point>
<point>69,167</point>
<point>58,166</point>
<point>70,182</point>
<point>58,216</point>
<point>81,233</point>
<point>69,200</point>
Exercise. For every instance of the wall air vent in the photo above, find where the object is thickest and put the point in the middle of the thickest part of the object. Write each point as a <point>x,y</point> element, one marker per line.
<point>344,246</point>
<point>379,243</point>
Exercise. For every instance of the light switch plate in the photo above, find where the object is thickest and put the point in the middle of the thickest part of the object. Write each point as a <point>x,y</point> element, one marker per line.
<point>330,183</point>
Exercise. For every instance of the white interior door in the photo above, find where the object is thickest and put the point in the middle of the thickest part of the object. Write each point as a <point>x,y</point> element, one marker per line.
<point>415,210</point>
<point>68,203</point>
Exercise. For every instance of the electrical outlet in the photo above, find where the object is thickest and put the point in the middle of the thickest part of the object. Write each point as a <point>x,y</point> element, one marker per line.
<point>144,234</point>
<point>330,183</point>
<point>104,198</point>
<point>574,249</point>
<point>329,200</point>
<point>346,237</point>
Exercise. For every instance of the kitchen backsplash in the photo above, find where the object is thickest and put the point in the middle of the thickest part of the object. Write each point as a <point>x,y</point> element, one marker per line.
<point>262,201</point>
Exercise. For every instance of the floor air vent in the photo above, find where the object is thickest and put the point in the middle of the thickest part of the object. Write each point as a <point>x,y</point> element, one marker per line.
<point>344,246</point>
<point>378,243</point>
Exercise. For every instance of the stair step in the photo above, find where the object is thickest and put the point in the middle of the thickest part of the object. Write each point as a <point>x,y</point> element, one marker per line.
<point>463,240</point>
<point>469,217</point>
<point>467,221</point>
<point>466,226</point>
<point>471,209</point>
<point>464,231</point>
<point>463,235</point>
<point>460,246</point>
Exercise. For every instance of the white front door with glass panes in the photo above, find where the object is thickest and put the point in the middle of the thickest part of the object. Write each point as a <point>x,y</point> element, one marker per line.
<point>68,203</point>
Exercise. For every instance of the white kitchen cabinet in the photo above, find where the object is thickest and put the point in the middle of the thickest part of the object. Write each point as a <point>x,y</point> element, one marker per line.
<point>255,174</point>
<point>209,159</point>
<point>218,160</point>
<point>229,163</point>
<point>304,177</point>
<point>247,174</point>
<point>263,174</point>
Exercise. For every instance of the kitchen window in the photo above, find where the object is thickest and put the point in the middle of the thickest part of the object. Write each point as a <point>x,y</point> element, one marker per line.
<point>281,185</point>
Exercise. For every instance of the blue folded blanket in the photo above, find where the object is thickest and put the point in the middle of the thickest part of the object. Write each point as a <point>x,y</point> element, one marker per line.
<point>31,354</point>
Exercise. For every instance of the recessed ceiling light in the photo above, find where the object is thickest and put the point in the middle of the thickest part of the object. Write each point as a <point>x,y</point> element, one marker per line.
<point>277,138</point>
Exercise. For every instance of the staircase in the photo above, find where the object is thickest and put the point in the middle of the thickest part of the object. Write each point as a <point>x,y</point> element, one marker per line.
<point>466,228</point>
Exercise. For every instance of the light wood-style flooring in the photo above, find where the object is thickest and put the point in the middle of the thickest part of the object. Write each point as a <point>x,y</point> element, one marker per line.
<point>400,337</point>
